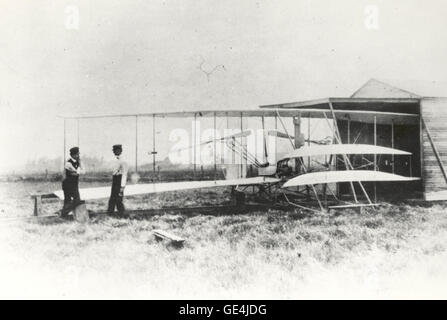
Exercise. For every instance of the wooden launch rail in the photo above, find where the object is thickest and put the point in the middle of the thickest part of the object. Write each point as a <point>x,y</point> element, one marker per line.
<point>202,210</point>
<point>39,199</point>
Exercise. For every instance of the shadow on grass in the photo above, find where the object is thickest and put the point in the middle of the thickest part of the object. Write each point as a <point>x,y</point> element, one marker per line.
<point>48,221</point>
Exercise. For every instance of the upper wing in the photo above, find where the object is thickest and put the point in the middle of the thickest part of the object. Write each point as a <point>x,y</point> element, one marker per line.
<point>309,151</point>
<point>344,176</point>
<point>135,189</point>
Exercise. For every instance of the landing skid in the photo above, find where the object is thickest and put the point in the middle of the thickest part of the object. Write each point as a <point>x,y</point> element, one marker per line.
<point>303,201</point>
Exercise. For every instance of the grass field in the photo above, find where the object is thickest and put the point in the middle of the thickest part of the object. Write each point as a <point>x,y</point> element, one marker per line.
<point>395,251</point>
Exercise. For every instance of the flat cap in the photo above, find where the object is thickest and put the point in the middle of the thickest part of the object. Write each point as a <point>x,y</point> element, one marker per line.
<point>74,150</point>
<point>117,146</point>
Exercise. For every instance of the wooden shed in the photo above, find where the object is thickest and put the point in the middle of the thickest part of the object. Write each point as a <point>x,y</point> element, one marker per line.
<point>381,114</point>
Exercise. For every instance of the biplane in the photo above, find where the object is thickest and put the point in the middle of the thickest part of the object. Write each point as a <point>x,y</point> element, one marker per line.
<point>381,141</point>
<point>289,176</point>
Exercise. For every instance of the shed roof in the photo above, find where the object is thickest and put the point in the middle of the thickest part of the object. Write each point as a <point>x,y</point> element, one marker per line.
<point>374,95</point>
<point>377,89</point>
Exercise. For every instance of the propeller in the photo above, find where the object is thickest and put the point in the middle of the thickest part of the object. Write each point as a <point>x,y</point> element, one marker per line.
<point>242,134</point>
<point>279,134</point>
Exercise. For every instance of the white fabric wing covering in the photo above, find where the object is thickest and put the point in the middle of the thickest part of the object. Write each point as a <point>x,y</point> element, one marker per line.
<point>309,151</point>
<point>344,176</point>
<point>135,189</point>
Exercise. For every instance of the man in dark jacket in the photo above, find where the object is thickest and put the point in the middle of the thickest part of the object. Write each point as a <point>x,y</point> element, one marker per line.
<point>70,184</point>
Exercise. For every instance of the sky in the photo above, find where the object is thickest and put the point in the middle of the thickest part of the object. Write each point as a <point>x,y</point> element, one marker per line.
<point>151,56</point>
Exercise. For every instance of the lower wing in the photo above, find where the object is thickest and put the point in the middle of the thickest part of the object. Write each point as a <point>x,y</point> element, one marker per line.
<point>344,176</point>
<point>135,189</point>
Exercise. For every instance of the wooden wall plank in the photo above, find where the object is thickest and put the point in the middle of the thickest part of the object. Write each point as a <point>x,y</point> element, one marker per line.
<point>434,114</point>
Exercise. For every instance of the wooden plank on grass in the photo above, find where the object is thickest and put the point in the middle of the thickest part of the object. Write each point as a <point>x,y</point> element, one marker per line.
<point>162,234</point>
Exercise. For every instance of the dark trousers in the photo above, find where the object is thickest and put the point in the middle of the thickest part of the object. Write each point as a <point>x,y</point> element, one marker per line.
<point>115,198</point>
<point>71,196</point>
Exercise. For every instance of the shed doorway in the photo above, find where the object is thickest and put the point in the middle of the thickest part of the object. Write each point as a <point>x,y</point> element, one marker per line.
<point>404,137</point>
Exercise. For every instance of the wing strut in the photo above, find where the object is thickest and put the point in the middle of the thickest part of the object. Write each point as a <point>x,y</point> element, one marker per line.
<point>285,129</point>
<point>347,161</point>
<point>302,164</point>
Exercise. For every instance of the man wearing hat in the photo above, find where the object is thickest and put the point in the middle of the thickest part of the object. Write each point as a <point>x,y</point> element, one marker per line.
<point>119,179</point>
<point>70,184</point>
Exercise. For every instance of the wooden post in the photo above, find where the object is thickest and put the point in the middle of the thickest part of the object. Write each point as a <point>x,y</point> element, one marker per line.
<point>349,133</point>
<point>297,133</point>
<point>308,139</point>
<point>297,129</point>
<point>308,158</point>
<point>242,146</point>
<point>233,156</point>
<point>65,142</point>
<point>194,143</point>
<point>392,144</point>
<point>77,124</point>
<point>349,130</point>
<point>375,157</point>
<point>421,150</point>
<point>375,142</point>
<point>215,151</point>
<point>264,141</point>
<point>37,205</point>
<point>153,145</point>
<point>136,144</point>
<point>276,139</point>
